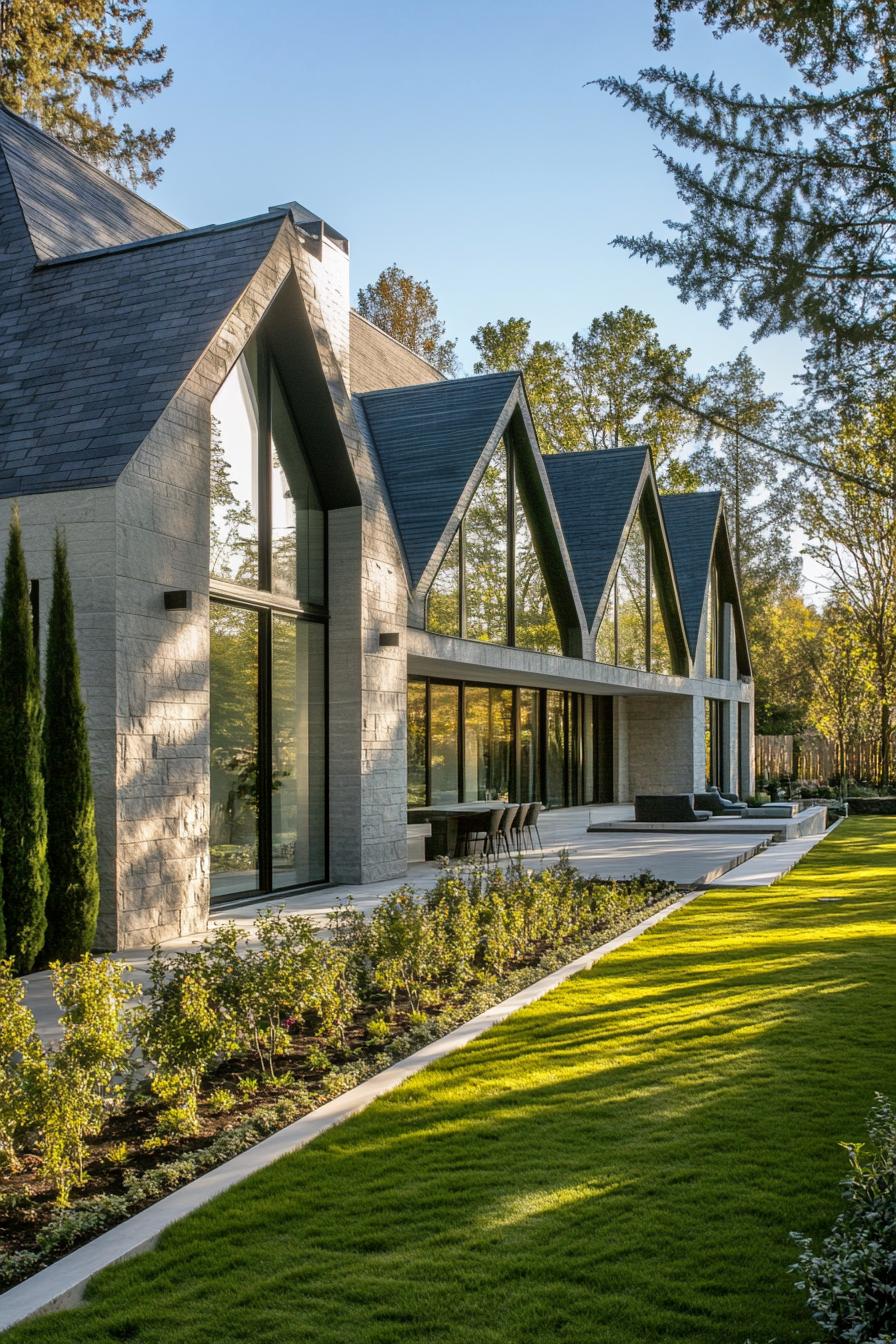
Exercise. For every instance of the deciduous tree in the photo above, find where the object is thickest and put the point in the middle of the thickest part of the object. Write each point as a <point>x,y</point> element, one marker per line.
<point>852,535</point>
<point>73,67</point>
<point>407,310</point>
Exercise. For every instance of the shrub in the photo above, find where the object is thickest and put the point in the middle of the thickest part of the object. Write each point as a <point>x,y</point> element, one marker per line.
<point>183,1031</point>
<point>83,1078</point>
<point>73,896</point>
<point>851,1282</point>
<point>22,810</point>
<point>402,949</point>
<point>21,1065</point>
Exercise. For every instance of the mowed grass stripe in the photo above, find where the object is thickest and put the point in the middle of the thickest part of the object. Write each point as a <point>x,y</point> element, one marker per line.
<point>621,1162</point>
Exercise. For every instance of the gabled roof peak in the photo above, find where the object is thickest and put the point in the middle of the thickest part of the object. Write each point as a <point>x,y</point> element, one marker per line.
<point>69,204</point>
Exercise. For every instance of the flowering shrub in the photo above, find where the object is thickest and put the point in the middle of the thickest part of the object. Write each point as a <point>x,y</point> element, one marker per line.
<point>850,1283</point>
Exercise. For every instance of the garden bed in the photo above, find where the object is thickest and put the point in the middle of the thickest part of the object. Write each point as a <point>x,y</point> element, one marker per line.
<point>410,974</point>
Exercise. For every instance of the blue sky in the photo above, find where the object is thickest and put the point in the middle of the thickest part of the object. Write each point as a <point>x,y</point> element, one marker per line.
<point>459,141</point>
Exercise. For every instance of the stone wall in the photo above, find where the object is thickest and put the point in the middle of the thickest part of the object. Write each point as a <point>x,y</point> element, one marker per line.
<point>88,520</point>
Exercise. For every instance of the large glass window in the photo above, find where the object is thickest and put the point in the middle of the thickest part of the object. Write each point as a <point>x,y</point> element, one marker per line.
<point>298,742</point>
<point>485,555</point>
<point>535,623</point>
<point>660,646</point>
<point>233,732</point>
<point>416,743</point>
<point>712,625</point>
<point>443,603</point>
<point>235,473</point>
<point>529,786</point>
<point>297,519</point>
<point>268,655</point>
<point>631,600</point>
<point>556,742</point>
<point>488,742</point>
<point>605,642</point>
<point>443,752</point>
<point>490,585</point>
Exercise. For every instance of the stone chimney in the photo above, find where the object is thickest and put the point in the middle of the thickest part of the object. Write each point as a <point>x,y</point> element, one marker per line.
<point>327,250</point>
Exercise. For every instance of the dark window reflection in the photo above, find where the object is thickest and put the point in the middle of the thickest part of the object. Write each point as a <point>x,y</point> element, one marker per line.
<point>298,742</point>
<point>556,761</point>
<point>416,743</point>
<point>234,749</point>
<point>530,752</point>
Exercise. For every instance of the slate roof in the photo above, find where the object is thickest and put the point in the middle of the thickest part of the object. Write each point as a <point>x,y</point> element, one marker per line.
<point>94,346</point>
<point>70,206</point>
<point>593,492</point>
<point>429,439</point>
<point>377,361</point>
<point>94,350</point>
<point>691,528</point>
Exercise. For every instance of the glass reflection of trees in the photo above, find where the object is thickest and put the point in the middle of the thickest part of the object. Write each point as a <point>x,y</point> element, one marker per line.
<point>233,836</point>
<point>485,555</point>
<point>470,595</point>
<point>267,534</point>
<point>488,742</point>
<point>634,630</point>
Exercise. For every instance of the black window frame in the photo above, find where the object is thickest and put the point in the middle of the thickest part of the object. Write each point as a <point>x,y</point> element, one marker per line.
<point>266,604</point>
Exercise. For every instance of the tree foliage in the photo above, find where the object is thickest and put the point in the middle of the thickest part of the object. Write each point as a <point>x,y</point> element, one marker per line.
<point>843,704</point>
<point>606,389</point>
<point>759,491</point>
<point>22,808</point>
<point>782,638</point>
<point>72,68</point>
<point>73,897</point>
<point>852,535</point>
<point>791,198</point>
<point>407,310</point>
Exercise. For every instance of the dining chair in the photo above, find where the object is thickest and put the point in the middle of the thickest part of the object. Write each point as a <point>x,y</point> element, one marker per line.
<point>505,825</point>
<point>535,811</point>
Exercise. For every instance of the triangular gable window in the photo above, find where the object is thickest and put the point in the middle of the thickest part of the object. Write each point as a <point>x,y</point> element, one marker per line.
<point>490,585</point>
<point>634,629</point>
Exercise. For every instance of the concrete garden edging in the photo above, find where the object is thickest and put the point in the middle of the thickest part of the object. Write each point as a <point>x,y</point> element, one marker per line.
<point>62,1284</point>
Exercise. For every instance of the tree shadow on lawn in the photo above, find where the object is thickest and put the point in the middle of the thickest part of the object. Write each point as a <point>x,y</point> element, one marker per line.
<point>612,1164</point>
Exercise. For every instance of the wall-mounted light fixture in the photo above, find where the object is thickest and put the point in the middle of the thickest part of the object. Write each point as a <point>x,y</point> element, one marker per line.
<point>388,639</point>
<point>178,599</point>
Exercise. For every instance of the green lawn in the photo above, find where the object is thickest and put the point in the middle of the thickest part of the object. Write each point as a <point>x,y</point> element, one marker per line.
<point>620,1163</point>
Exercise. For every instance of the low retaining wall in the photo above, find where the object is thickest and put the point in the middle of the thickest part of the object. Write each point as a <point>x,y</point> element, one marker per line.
<point>872,807</point>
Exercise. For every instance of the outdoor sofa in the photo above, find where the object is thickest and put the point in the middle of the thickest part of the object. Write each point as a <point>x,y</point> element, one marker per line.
<point>668,807</point>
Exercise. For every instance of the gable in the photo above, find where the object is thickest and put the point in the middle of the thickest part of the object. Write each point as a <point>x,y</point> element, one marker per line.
<point>595,493</point>
<point>69,205</point>
<point>429,441</point>
<point>103,345</point>
<point>691,524</point>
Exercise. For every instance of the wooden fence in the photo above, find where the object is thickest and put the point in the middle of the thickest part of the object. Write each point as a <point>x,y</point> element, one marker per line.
<point>814,757</point>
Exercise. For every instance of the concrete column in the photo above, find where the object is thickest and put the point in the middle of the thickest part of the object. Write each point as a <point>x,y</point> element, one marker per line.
<point>665,744</point>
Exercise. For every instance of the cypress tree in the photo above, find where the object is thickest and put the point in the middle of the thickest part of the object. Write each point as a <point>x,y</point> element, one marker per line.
<point>22,811</point>
<point>74,896</point>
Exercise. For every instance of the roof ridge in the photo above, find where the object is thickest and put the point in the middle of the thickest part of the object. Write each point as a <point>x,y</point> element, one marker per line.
<point>442,383</point>
<point>34,129</point>
<point>156,240</point>
<point>595,452</point>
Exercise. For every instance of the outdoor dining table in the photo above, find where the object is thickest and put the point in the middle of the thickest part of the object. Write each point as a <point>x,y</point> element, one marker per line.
<point>443,819</point>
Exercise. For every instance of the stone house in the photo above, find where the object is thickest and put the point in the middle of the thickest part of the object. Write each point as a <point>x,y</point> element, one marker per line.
<point>316,582</point>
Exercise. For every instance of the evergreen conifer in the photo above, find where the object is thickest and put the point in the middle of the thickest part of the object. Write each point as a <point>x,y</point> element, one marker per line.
<point>22,810</point>
<point>74,894</point>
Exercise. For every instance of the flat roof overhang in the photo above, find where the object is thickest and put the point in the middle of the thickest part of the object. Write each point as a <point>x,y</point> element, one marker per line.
<point>432,655</point>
